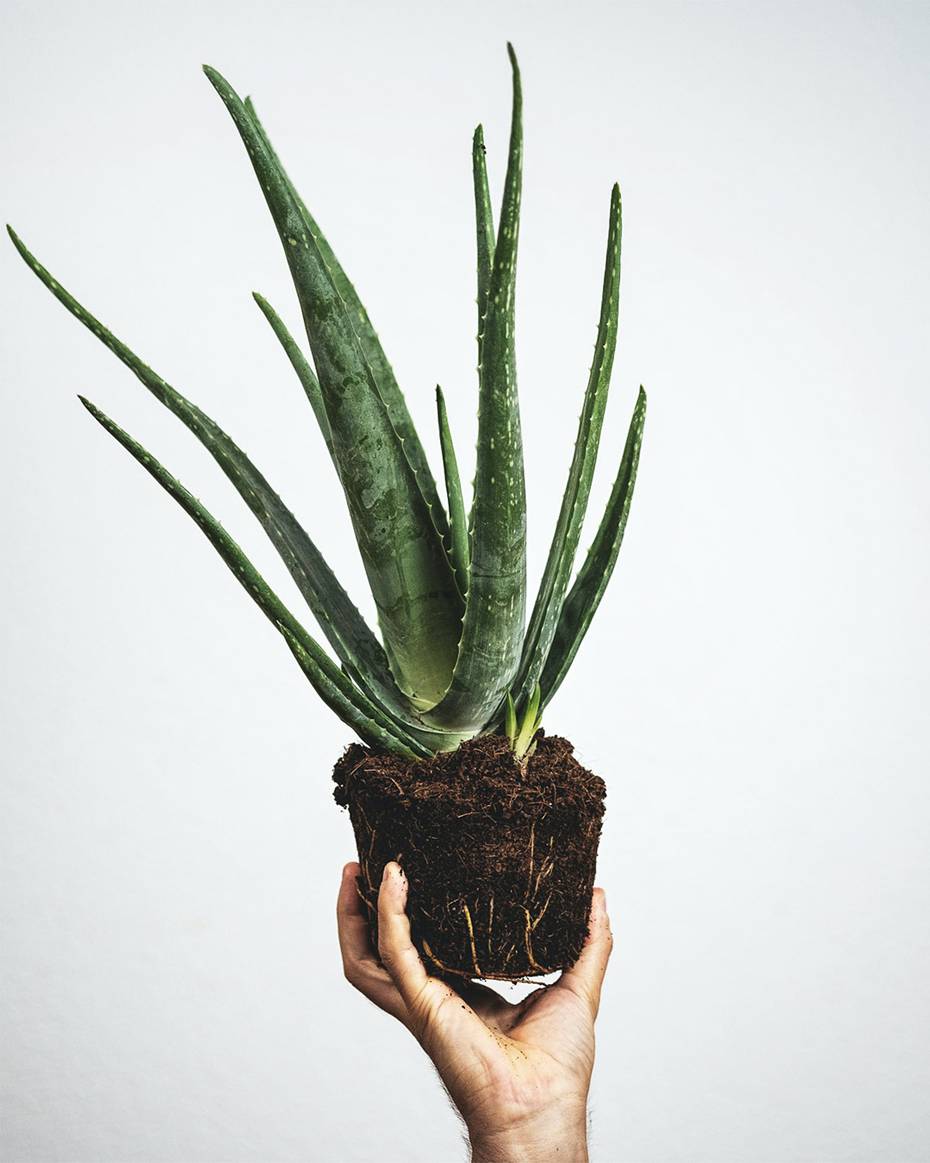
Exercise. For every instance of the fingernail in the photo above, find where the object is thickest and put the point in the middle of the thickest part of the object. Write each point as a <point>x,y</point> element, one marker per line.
<point>386,873</point>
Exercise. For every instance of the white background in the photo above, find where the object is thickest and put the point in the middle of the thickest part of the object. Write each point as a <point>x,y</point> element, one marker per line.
<point>756,687</point>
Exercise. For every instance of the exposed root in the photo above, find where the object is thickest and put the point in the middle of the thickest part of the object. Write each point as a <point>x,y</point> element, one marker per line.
<point>539,916</point>
<point>365,860</point>
<point>471,939</point>
<point>528,940</point>
<point>523,977</point>
<point>439,964</point>
<point>545,870</point>
<point>368,905</point>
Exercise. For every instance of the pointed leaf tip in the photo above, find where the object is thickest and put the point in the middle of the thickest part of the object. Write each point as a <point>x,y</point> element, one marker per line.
<point>514,64</point>
<point>458,522</point>
<point>219,82</point>
<point>18,243</point>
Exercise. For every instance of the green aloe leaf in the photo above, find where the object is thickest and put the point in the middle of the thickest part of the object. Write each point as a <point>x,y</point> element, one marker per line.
<point>381,370</point>
<point>419,607</point>
<point>484,227</point>
<point>370,731</point>
<point>458,523</point>
<point>556,575</point>
<point>492,631</point>
<point>510,719</point>
<point>338,617</point>
<point>368,720</point>
<point>403,716</point>
<point>301,366</point>
<point>530,724</point>
<point>588,589</point>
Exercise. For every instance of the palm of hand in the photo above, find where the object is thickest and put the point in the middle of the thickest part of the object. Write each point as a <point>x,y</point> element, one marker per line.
<point>500,1060</point>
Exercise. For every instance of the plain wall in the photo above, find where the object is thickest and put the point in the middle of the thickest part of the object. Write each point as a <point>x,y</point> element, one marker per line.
<point>755,689</point>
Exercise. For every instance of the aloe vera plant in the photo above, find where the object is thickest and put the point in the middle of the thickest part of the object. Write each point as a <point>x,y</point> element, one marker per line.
<point>456,656</point>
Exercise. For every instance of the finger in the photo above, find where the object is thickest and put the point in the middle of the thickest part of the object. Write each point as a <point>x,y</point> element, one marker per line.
<point>397,951</point>
<point>438,1015</point>
<point>586,976</point>
<point>359,963</point>
<point>354,940</point>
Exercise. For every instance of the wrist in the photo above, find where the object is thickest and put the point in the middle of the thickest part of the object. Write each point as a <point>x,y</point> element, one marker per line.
<point>554,1136</point>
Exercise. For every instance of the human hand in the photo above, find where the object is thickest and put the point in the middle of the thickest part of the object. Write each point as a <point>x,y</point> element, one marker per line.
<point>518,1074</point>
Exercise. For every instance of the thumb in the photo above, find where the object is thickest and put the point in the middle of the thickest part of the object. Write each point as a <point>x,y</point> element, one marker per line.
<point>424,996</point>
<point>395,948</point>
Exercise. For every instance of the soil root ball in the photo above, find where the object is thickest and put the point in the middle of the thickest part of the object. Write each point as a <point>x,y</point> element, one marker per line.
<point>500,858</point>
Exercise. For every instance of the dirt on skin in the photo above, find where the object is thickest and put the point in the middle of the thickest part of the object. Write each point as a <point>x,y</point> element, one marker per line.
<point>500,858</point>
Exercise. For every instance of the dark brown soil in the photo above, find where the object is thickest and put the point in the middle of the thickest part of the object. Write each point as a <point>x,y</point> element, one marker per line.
<point>500,860</point>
